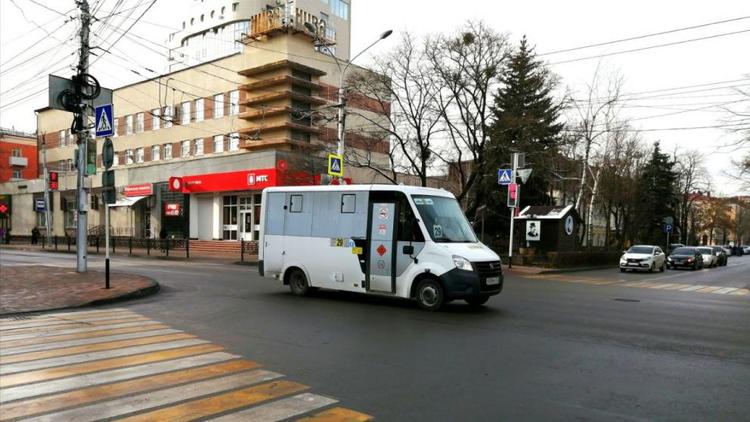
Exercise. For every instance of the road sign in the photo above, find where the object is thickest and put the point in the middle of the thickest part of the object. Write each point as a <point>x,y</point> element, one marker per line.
<point>335,165</point>
<point>513,195</point>
<point>524,174</point>
<point>668,228</point>
<point>103,120</point>
<point>58,86</point>
<point>504,176</point>
<point>668,220</point>
<point>39,204</point>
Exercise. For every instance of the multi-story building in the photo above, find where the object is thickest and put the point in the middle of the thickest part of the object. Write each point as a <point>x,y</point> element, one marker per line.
<point>18,155</point>
<point>195,147</point>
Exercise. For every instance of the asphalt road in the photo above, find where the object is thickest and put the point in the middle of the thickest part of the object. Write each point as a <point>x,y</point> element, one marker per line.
<point>551,348</point>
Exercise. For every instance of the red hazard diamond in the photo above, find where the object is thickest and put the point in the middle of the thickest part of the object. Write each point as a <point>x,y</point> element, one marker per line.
<point>381,250</point>
<point>4,209</point>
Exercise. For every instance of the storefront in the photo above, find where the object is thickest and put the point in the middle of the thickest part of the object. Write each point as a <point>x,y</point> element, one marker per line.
<point>131,214</point>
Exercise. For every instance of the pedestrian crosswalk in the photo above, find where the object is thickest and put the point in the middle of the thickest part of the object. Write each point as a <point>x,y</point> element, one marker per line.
<point>645,284</point>
<point>117,364</point>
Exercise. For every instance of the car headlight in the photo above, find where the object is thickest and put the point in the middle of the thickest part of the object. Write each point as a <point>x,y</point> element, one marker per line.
<point>462,263</point>
<point>669,258</point>
<point>690,260</point>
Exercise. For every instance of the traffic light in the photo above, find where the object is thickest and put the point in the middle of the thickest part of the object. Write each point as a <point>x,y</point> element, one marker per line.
<point>513,189</point>
<point>108,187</point>
<point>53,181</point>
<point>91,157</point>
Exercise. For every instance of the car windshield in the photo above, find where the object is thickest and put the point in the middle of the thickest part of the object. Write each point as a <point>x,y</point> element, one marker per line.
<point>684,251</point>
<point>641,249</point>
<point>705,251</point>
<point>444,219</point>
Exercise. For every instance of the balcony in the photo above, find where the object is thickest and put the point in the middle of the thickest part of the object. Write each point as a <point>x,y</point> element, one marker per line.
<point>276,20</point>
<point>18,161</point>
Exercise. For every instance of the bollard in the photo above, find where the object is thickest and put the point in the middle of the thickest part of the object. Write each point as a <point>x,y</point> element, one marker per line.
<point>97,244</point>
<point>167,248</point>
<point>242,250</point>
<point>148,246</point>
<point>187,247</point>
<point>130,245</point>
<point>68,237</point>
<point>44,239</point>
<point>55,242</point>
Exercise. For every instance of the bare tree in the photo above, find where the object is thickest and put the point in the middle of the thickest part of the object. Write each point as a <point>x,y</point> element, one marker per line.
<point>405,89</point>
<point>693,179</point>
<point>469,66</point>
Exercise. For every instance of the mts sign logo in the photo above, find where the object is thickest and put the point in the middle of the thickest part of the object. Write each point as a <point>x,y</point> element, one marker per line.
<point>253,178</point>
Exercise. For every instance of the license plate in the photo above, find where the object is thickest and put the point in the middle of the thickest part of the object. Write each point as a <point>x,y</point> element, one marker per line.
<point>493,280</point>
<point>634,264</point>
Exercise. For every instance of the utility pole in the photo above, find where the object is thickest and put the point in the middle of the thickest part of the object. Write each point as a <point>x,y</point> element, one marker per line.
<point>81,124</point>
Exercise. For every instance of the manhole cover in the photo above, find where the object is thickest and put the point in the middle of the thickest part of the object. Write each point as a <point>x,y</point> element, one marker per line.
<point>620,299</point>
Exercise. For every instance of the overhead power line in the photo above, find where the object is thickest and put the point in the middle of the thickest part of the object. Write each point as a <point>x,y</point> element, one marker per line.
<point>638,37</point>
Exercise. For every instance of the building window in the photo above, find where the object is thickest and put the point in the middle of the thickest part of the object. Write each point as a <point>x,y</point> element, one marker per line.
<point>185,152</point>
<point>70,213</point>
<point>61,136</point>
<point>218,106</point>
<point>219,143</point>
<point>168,151</point>
<point>155,153</point>
<point>16,174</point>
<point>234,103</point>
<point>129,125</point>
<point>168,115</point>
<point>340,8</point>
<point>129,156</point>
<point>185,113</point>
<point>15,152</point>
<point>68,137</point>
<point>139,123</point>
<point>234,141</point>
<point>199,146</point>
<point>116,159</point>
<point>155,119</point>
<point>139,156</point>
<point>116,127</point>
<point>199,107</point>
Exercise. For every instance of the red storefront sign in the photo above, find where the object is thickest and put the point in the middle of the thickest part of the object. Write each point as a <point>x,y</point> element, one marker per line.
<point>172,209</point>
<point>222,182</point>
<point>143,189</point>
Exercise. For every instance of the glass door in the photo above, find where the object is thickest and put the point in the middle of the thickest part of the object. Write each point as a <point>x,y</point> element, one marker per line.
<point>246,225</point>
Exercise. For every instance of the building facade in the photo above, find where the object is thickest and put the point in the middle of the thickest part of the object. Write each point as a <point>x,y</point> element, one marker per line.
<point>195,147</point>
<point>18,155</point>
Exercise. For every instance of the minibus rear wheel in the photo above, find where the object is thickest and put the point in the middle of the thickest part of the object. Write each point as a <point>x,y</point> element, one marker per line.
<point>430,294</point>
<point>298,282</point>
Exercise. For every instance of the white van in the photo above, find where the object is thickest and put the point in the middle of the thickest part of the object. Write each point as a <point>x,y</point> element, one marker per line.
<point>401,241</point>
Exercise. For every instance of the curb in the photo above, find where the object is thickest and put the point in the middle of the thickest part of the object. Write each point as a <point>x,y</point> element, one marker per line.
<point>573,270</point>
<point>144,292</point>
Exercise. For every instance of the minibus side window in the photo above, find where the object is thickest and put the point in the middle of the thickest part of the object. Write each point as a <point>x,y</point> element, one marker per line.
<point>295,203</point>
<point>408,227</point>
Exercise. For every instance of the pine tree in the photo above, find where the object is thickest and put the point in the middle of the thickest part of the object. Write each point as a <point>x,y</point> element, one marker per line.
<point>526,119</point>
<point>656,197</point>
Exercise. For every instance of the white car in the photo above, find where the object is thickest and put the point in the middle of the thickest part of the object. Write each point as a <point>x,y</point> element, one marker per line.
<point>746,249</point>
<point>643,257</point>
<point>709,257</point>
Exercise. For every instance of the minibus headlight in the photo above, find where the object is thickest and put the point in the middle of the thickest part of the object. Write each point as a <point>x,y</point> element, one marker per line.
<point>462,263</point>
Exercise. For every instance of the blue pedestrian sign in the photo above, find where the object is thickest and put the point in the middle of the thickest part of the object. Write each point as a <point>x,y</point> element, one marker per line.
<point>504,176</point>
<point>667,228</point>
<point>104,120</point>
<point>335,165</point>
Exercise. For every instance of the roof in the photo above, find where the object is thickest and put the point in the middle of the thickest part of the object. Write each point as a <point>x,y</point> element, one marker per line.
<point>415,190</point>
<point>546,213</point>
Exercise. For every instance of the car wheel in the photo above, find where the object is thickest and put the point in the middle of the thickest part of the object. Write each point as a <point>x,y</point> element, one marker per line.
<point>430,295</point>
<point>298,283</point>
<point>477,300</point>
<point>622,270</point>
<point>652,268</point>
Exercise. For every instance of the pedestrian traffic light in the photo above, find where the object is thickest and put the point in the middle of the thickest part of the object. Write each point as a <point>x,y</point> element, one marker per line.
<point>91,157</point>
<point>53,180</point>
<point>108,186</point>
<point>513,195</point>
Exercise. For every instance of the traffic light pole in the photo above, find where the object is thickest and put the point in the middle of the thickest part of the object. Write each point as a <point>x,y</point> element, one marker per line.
<point>513,210</point>
<point>83,138</point>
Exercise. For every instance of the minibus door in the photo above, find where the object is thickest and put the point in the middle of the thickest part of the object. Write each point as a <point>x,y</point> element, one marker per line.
<point>381,265</point>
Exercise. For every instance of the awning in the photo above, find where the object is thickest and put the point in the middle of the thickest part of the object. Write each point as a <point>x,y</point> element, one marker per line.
<point>127,201</point>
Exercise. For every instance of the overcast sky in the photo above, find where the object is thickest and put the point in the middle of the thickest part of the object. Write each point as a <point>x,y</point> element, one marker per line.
<point>28,54</point>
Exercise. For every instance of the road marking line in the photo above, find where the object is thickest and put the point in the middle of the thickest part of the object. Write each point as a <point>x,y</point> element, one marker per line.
<point>725,290</point>
<point>709,289</point>
<point>693,288</point>
<point>18,331</point>
<point>102,365</point>
<point>280,409</point>
<point>634,283</point>
<point>88,334</point>
<point>676,286</point>
<point>97,347</point>
<point>103,311</point>
<point>82,322</point>
<point>111,353</point>
<point>56,386</point>
<point>115,390</point>
<point>50,333</point>
<point>80,342</point>
<point>220,403</point>
<point>661,286</point>
<point>144,402</point>
<point>337,414</point>
<point>4,323</point>
<point>741,292</point>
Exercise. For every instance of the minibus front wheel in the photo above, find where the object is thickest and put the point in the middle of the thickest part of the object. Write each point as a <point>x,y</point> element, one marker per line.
<point>430,294</point>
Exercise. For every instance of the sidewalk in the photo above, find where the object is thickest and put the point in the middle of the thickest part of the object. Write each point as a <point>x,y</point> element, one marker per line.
<point>520,269</point>
<point>29,288</point>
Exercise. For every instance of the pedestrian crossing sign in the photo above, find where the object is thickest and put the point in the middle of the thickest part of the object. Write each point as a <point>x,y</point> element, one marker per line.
<point>335,165</point>
<point>103,120</point>
<point>504,176</point>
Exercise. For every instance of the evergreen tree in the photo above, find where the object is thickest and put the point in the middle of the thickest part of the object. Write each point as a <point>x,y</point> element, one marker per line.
<point>656,197</point>
<point>525,120</point>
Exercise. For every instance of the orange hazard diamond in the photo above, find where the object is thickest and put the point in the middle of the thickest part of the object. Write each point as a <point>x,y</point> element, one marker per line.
<point>381,250</point>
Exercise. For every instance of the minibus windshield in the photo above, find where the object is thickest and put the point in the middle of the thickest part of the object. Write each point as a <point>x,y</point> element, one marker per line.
<point>444,219</point>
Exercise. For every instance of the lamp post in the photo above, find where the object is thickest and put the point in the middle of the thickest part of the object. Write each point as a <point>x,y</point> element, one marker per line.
<point>341,105</point>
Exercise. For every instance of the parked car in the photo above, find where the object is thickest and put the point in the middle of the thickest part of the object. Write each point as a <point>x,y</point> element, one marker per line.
<point>721,255</point>
<point>746,249</point>
<point>685,257</point>
<point>643,257</point>
<point>728,249</point>
<point>709,257</point>
<point>673,246</point>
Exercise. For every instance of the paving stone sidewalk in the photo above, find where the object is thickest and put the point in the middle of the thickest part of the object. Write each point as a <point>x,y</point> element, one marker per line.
<point>28,288</point>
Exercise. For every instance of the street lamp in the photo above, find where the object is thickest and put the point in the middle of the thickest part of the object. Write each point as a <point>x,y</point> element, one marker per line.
<point>341,118</point>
